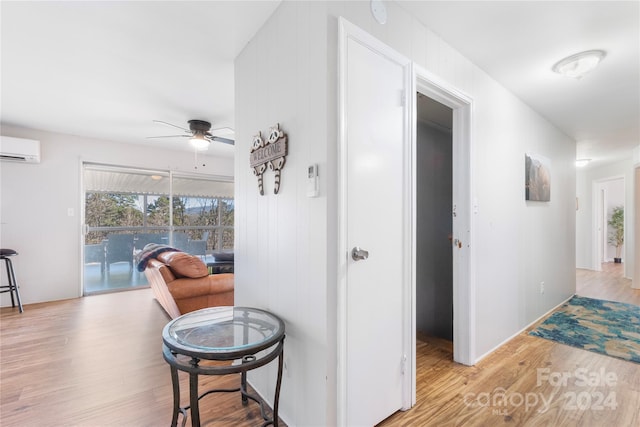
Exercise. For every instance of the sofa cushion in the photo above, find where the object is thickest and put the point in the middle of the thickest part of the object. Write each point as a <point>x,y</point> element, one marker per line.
<point>184,265</point>
<point>194,294</point>
<point>165,272</point>
<point>150,251</point>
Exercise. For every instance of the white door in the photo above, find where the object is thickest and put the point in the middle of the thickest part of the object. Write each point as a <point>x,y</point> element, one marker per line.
<point>374,152</point>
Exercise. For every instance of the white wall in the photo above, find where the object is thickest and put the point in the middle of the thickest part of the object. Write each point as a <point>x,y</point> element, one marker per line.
<point>585,181</point>
<point>282,244</point>
<point>34,200</point>
<point>434,257</point>
<point>286,244</point>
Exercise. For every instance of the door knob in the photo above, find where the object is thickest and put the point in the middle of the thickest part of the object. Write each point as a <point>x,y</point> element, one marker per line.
<point>359,254</point>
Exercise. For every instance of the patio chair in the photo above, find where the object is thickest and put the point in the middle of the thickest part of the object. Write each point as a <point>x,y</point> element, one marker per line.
<point>181,241</point>
<point>119,249</point>
<point>199,247</point>
<point>144,239</point>
<point>95,254</point>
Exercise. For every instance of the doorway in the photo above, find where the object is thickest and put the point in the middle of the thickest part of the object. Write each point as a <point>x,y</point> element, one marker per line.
<point>635,284</point>
<point>434,228</point>
<point>609,194</point>
<point>373,298</point>
<point>377,217</point>
<point>454,111</point>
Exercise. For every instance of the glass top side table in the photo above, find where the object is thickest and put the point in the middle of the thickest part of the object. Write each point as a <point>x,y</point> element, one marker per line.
<point>234,334</point>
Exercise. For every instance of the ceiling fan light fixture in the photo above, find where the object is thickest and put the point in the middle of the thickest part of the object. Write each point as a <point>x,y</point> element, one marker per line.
<point>576,66</point>
<point>199,142</point>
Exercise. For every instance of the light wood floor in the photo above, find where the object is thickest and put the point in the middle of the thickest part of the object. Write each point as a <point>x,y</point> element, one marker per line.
<point>96,361</point>
<point>495,391</point>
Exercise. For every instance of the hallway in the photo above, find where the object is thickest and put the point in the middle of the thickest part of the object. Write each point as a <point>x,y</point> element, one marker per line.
<point>505,387</point>
<point>608,284</point>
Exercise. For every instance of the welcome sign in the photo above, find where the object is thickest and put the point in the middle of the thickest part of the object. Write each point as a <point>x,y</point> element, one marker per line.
<point>268,153</point>
<point>271,153</point>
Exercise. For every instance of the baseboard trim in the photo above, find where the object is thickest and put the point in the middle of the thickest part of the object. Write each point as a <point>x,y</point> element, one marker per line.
<point>522,330</point>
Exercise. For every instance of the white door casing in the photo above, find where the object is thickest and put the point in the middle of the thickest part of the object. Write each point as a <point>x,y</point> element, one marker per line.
<point>374,378</point>
<point>600,202</point>
<point>370,123</point>
<point>464,209</point>
<point>635,284</point>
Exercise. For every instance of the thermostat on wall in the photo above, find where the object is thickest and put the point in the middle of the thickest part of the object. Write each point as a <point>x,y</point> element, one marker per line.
<point>312,181</point>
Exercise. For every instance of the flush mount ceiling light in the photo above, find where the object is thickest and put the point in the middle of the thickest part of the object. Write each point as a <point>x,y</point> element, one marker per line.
<point>199,141</point>
<point>576,66</point>
<point>580,163</point>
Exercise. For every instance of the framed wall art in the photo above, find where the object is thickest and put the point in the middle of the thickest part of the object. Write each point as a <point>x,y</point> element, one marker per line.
<point>537,178</point>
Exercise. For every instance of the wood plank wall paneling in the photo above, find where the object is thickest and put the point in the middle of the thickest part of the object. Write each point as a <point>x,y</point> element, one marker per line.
<point>97,361</point>
<point>282,247</point>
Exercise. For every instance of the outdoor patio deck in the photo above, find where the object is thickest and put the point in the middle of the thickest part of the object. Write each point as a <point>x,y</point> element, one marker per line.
<point>120,277</point>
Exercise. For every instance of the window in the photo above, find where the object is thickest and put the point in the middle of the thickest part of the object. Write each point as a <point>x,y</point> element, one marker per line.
<point>125,209</point>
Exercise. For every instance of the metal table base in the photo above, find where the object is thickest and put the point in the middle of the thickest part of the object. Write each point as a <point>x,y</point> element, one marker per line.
<point>186,356</point>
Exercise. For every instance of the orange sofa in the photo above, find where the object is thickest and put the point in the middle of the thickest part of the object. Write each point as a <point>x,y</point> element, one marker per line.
<point>181,283</point>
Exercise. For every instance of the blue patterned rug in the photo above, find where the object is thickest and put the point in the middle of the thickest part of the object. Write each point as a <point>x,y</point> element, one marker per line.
<point>606,327</point>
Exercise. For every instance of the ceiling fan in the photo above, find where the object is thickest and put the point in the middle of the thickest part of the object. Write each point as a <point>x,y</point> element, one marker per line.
<point>199,133</point>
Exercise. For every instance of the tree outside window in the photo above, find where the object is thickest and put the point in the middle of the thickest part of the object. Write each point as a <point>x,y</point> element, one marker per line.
<point>134,213</point>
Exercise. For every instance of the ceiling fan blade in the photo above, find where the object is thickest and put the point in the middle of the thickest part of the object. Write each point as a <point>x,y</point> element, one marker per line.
<point>196,128</point>
<point>222,131</point>
<point>169,136</point>
<point>172,125</point>
<point>223,140</point>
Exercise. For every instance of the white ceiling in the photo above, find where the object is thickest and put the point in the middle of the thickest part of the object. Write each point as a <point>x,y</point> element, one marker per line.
<point>517,43</point>
<point>107,69</point>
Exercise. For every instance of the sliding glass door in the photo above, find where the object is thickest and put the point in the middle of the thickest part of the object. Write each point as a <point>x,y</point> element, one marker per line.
<point>203,211</point>
<point>127,209</point>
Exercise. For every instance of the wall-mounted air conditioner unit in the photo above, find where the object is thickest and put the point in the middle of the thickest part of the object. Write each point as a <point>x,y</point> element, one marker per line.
<point>19,150</point>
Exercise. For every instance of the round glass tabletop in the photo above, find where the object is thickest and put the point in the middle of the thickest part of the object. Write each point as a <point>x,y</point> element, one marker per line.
<point>220,332</point>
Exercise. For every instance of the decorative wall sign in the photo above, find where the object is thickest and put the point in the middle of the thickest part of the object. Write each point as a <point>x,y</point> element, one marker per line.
<point>271,153</point>
<point>537,177</point>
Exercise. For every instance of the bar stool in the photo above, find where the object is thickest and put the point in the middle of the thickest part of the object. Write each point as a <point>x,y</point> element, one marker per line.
<point>11,277</point>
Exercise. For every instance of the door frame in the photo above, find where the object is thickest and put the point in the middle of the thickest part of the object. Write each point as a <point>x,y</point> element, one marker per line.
<point>600,226</point>
<point>465,207</point>
<point>349,31</point>
<point>635,274</point>
<point>418,79</point>
<point>599,204</point>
